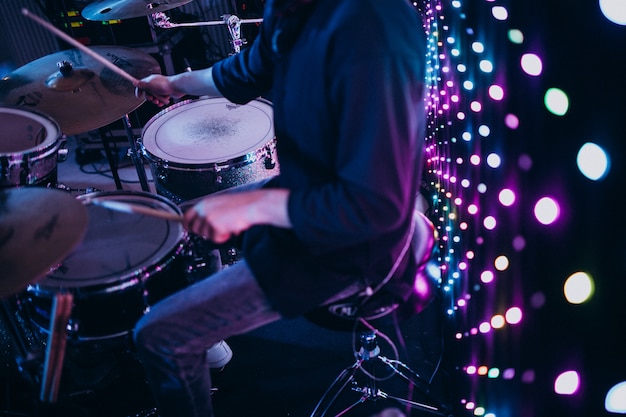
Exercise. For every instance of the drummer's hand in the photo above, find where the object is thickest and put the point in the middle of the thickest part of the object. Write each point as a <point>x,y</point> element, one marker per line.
<point>157,89</point>
<point>218,217</point>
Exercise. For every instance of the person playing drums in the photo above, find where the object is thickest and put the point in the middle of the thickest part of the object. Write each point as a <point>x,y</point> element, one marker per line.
<point>347,82</point>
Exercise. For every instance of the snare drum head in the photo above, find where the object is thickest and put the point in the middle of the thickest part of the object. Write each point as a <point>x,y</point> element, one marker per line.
<point>26,130</point>
<point>208,131</point>
<point>117,245</point>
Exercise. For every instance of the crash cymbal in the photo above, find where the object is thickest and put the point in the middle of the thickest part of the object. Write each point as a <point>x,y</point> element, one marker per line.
<point>125,9</point>
<point>79,92</point>
<point>39,227</point>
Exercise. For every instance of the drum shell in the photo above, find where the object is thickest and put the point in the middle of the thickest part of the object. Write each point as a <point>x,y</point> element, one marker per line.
<point>183,183</point>
<point>109,299</point>
<point>29,148</point>
<point>183,180</point>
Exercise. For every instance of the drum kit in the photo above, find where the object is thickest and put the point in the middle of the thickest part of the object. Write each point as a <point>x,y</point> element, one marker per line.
<point>77,269</point>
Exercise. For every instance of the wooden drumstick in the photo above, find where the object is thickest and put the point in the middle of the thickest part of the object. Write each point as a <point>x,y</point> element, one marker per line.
<point>80,46</point>
<point>55,352</point>
<point>137,209</point>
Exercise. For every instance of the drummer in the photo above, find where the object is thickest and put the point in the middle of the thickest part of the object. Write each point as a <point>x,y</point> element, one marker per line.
<point>347,82</point>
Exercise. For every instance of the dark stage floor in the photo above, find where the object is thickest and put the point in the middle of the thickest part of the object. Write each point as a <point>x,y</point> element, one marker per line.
<point>280,370</point>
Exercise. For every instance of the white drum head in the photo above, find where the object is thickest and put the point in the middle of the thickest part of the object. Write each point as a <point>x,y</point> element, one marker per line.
<point>24,131</point>
<point>208,131</point>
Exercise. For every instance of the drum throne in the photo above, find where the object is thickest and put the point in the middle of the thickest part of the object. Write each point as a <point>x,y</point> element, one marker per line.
<point>359,314</point>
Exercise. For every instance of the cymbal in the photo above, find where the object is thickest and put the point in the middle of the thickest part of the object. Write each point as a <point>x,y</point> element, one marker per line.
<point>124,9</point>
<point>79,92</point>
<point>39,227</point>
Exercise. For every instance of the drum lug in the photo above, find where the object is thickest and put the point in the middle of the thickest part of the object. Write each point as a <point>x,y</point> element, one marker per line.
<point>218,177</point>
<point>269,161</point>
<point>62,152</point>
<point>62,155</point>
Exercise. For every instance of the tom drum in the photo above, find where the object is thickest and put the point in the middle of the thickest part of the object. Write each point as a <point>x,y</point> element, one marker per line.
<point>29,148</point>
<point>125,263</point>
<point>198,147</point>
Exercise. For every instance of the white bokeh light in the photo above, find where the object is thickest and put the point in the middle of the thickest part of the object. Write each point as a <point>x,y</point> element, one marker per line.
<point>547,210</point>
<point>615,401</point>
<point>578,288</point>
<point>593,161</point>
<point>614,10</point>
<point>531,64</point>
<point>567,383</point>
<point>506,197</point>
<point>556,101</point>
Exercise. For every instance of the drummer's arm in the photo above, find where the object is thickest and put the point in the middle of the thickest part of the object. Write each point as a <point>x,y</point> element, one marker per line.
<point>220,216</point>
<point>195,83</point>
<point>160,88</point>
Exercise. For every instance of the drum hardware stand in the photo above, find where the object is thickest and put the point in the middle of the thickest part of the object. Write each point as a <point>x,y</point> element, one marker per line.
<point>134,155</point>
<point>55,352</point>
<point>161,20</point>
<point>112,160</point>
<point>370,351</point>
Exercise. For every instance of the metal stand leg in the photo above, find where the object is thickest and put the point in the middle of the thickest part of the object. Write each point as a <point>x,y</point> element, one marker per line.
<point>55,353</point>
<point>134,154</point>
<point>112,159</point>
<point>370,351</point>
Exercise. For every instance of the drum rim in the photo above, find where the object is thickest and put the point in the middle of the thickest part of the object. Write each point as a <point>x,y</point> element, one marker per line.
<point>240,160</point>
<point>53,137</point>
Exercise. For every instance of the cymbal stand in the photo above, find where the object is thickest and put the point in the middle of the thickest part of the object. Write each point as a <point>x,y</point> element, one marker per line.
<point>55,353</point>
<point>134,154</point>
<point>161,20</point>
<point>234,29</point>
<point>111,159</point>
<point>368,356</point>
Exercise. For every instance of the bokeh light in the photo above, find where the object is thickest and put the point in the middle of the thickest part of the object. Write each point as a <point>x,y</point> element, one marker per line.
<point>567,383</point>
<point>501,263</point>
<point>506,197</point>
<point>531,64</point>
<point>578,288</point>
<point>516,36</point>
<point>500,13</point>
<point>614,10</point>
<point>556,101</point>
<point>547,210</point>
<point>615,400</point>
<point>513,315</point>
<point>499,161</point>
<point>593,161</point>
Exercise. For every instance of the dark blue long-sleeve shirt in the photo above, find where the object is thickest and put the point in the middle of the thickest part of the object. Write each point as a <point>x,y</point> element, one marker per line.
<point>347,89</point>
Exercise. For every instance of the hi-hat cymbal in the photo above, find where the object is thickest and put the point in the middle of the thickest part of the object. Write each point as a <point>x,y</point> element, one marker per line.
<point>125,9</point>
<point>79,92</point>
<point>39,227</point>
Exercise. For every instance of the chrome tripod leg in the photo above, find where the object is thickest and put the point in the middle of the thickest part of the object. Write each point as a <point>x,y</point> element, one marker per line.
<point>370,354</point>
<point>343,379</point>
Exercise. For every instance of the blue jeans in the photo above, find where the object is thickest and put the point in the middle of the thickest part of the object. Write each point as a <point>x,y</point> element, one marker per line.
<point>172,339</point>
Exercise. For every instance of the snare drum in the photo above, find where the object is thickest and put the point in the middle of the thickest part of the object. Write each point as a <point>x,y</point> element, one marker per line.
<point>125,263</point>
<point>29,145</point>
<point>198,147</point>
